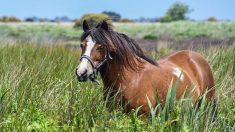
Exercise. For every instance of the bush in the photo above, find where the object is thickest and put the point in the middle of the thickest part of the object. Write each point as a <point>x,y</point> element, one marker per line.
<point>42,19</point>
<point>176,12</point>
<point>166,18</point>
<point>92,19</point>
<point>211,19</point>
<point>9,19</point>
<point>150,37</point>
<point>115,16</point>
<point>29,19</point>
<point>125,20</point>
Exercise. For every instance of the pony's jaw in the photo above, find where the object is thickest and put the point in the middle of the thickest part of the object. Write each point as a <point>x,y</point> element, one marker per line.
<point>84,69</point>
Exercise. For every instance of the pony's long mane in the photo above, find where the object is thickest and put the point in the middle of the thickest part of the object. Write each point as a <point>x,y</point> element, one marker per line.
<point>122,47</point>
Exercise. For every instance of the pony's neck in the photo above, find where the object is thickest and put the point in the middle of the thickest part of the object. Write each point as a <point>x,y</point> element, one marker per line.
<point>113,73</point>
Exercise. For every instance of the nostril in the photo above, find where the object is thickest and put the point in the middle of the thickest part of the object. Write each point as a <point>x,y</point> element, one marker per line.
<point>84,73</point>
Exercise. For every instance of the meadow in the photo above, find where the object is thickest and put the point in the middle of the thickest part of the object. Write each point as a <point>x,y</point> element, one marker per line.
<point>39,90</point>
<point>175,30</point>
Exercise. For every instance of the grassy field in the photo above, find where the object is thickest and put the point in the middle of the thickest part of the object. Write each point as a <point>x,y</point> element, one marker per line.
<point>47,32</point>
<point>39,90</point>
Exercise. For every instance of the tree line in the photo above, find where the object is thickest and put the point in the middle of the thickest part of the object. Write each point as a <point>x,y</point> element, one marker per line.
<point>175,12</point>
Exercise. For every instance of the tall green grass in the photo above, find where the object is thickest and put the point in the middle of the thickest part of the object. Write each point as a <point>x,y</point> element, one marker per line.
<point>39,92</point>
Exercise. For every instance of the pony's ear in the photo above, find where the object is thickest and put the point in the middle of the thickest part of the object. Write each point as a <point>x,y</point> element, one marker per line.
<point>85,26</point>
<point>104,25</point>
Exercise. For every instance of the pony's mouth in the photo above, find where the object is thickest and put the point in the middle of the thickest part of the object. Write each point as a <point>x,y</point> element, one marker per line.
<point>82,79</point>
<point>85,77</point>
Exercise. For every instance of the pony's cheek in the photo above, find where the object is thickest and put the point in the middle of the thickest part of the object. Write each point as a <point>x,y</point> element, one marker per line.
<point>97,59</point>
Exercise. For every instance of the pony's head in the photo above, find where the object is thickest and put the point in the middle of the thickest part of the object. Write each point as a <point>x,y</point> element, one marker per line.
<point>101,44</point>
<point>94,52</point>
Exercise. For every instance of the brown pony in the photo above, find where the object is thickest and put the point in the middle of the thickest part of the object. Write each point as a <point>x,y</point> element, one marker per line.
<point>132,77</point>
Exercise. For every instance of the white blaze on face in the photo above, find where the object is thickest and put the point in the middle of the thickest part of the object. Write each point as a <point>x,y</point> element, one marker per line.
<point>178,73</point>
<point>85,64</point>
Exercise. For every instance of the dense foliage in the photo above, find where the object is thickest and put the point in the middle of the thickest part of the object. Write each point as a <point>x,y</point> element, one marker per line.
<point>176,12</point>
<point>115,16</point>
<point>9,19</point>
<point>92,19</point>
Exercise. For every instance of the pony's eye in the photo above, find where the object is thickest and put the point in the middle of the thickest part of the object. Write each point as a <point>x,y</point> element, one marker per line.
<point>100,48</point>
<point>81,46</point>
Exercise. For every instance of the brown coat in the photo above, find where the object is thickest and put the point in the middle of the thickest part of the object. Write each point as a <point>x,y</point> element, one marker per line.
<point>133,87</point>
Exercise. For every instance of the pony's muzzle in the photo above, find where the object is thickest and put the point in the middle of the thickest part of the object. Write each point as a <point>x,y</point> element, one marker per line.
<point>81,76</point>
